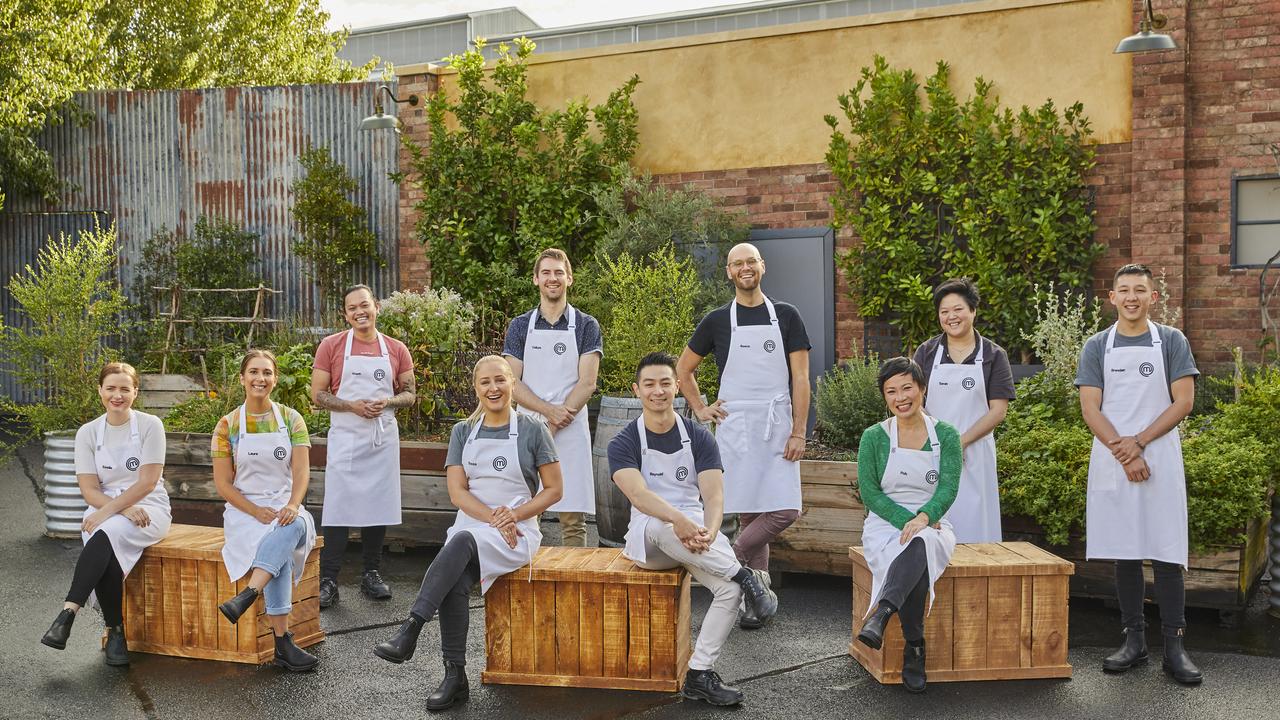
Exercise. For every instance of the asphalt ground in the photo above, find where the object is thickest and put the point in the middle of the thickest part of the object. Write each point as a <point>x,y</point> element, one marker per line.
<point>798,667</point>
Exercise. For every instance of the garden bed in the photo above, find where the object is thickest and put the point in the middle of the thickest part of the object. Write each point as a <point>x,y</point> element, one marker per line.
<point>1223,580</point>
<point>427,512</point>
<point>830,523</point>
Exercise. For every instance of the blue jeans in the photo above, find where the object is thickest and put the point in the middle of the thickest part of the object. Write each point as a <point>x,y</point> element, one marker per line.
<point>275,555</point>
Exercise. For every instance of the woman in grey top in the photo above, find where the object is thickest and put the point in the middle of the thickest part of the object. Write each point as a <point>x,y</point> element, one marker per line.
<point>497,460</point>
<point>119,460</point>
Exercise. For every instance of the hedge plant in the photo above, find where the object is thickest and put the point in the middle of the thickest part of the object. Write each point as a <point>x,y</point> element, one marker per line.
<point>936,188</point>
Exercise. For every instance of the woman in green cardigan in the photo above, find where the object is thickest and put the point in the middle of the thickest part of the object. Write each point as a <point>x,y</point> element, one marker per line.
<point>908,474</point>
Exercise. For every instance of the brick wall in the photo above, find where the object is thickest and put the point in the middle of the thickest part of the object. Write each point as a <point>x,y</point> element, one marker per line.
<point>415,271</point>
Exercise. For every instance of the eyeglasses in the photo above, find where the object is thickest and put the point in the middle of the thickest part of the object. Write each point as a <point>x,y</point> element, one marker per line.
<point>749,262</point>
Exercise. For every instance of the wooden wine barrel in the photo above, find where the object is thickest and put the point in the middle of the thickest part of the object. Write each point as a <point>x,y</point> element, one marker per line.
<point>613,510</point>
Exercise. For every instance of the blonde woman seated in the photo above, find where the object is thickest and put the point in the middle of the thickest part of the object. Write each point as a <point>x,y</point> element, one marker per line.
<point>261,467</point>
<point>908,474</point>
<point>119,461</point>
<point>496,460</point>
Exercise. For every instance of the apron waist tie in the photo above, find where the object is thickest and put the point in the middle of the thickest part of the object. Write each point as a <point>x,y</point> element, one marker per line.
<point>773,414</point>
<point>378,432</point>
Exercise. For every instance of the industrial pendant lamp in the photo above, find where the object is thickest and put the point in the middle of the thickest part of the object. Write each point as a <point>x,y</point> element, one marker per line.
<point>1146,40</point>
<point>378,121</point>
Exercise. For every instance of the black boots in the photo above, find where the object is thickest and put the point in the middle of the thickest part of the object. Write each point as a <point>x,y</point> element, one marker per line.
<point>236,606</point>
<point>1133,652</point>
<point>913,666</point>
<point>400,647</point>
<point>452,688</point>
<point>748,620</point>
<point>373,587</point>
<point>707,685</point>
<point>1177,664</point>
<point>328,592</point>
<point>57,634</point>
<point>872,632</point>
<point>291,657</point>
<point>760,600</point>
<point>117,650</point>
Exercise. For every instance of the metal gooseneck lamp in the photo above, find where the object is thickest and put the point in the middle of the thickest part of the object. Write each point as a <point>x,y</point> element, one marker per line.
<point>1146,40</point>
<point>379,121</point>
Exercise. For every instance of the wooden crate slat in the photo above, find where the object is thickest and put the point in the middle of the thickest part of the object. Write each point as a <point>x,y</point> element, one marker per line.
<point>567,644</point>
<point>1004,612</point>
<point>1025,623</point>
<point>135,599</point>
<point>190,602</point>
<point>684,646</point>
<point>497,626</point>
<point>591,629</point>
<point>937,629</point>
<point>970,623</point>
<point>522,637</point>
<point>662,633</point>
<point>544,619</point>
<point>615,630</point>
<point>171,622</point>
<point>638,631</point>
<point>226,631</point>
<point>1049,621</point>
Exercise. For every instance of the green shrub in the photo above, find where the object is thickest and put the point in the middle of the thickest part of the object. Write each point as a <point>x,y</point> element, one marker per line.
<point>334,239</point>
<point>848,401</point>
<point>936,187</point>
<point>1227,479</point>
<point>651,309</point>
<point>1044,473</point>
<point>293,385</point>
<point>70,304</point>
<point>201,413</point>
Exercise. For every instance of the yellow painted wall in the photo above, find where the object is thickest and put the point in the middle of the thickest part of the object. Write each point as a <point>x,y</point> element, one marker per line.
<point>757,98</point>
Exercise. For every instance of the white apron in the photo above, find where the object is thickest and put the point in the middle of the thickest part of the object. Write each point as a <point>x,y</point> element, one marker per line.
<point>551,372</point>
<point>910,479</point>
<point>1136,520</point>
<point>958,396</point>
<point>756,389</point>
<point>264,475</point>
<point>118,471</point>
<point>494,476</point>
<point>362,466</point>
<point>672,477</point>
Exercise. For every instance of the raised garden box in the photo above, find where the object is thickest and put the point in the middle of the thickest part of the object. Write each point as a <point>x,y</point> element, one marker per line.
<point>830,522</point>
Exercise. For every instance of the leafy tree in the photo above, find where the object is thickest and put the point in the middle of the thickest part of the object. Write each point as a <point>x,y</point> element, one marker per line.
<point>50,49</point>
<point>334,237</point>
<point>503,178</point>
<point>935,188</point>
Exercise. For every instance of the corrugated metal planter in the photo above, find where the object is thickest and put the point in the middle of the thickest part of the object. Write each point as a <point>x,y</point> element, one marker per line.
<point>64,506</point>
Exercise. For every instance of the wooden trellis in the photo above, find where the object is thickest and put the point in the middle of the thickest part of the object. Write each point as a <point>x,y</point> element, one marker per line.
<point>173,318</point>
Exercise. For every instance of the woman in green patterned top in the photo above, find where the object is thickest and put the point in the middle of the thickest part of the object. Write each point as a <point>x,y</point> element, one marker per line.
<point>908,474</point>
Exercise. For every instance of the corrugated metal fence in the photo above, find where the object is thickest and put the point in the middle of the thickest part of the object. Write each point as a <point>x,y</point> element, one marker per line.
<point>158,160</point>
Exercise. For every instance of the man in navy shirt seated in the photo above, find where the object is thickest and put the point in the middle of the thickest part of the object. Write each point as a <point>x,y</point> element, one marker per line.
<point>670,470</point>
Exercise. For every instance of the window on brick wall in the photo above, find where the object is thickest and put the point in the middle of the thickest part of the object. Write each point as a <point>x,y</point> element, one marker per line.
<point>1255,219</point>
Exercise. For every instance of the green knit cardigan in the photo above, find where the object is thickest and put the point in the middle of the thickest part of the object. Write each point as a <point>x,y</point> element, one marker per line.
<point>873,456</point>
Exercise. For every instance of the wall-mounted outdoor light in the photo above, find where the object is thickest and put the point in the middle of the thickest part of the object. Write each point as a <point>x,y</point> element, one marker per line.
<point>1145,39</point>
<point>378,121</point>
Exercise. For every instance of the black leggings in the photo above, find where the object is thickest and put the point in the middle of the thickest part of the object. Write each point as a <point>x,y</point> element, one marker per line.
<point>98,571</point>
<point>906,589</point>
<point>335,545</point>
<point>1131,590</point>
<point>446,589</point>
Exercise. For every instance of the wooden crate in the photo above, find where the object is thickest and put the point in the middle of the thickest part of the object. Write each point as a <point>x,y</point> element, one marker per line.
<point>830,522</point>
<point>1000,613</point>
<point>590,618</point>
<point>171,602</point>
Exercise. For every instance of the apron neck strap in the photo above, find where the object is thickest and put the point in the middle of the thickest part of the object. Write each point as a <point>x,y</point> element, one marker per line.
<point>942,345</point>
<point>930,426</point>
<point>733,313</point>
<point>1151,328</point>
<point>102,429</point>
<point>244,425</point>
<point>351,336</point>
<point>643,432</point>
<point>512,431</point>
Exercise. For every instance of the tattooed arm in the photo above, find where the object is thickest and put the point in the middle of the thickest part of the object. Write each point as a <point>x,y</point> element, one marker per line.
<point>321,396</point>
<point>408,394</point>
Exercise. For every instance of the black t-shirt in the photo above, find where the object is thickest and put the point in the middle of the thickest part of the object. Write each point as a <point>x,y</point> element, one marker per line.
<point>624,448</point>
<point>713,333</point>
<point>997,375</point>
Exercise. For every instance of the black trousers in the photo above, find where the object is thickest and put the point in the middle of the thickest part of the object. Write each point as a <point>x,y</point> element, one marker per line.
<point>1131,590</point>
<point>97,570</point>
<point>335,545</point>
<point>906,589</point>
<point>446,588</point>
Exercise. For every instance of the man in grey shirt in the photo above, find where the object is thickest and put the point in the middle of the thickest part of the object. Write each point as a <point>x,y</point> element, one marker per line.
<point>1137,382</point>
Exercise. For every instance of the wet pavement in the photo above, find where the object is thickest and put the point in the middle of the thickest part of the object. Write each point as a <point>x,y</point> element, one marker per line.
<point>796,668</point>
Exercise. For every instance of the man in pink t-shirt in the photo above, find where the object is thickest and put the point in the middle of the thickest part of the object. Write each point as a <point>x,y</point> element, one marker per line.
<point>360,376</point>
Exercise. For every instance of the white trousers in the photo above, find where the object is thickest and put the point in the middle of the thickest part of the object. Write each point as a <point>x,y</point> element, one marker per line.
<point>712,569</point>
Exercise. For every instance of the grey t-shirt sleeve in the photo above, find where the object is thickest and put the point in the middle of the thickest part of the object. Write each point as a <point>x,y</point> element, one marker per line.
<point>1178,360</point>
<point>706,452</point>
<point>85,450</point>
<point>151,430</point>
<point>457,439</point>
<point>513,343</point>
<point>1089,369</point>
<point>535,445</point>
<point>590,339</point>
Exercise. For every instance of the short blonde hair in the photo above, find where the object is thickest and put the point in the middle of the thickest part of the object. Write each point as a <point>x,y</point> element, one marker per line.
<point>553,254</point>
<point>506,370</point>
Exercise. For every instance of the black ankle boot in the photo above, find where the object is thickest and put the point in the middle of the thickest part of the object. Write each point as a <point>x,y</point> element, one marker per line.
<point>1177,663</point>
<point>707,685</point>
<point>236,606</point>
<point>1133,652</point>
<point>291,657</point>
<point>913,676</point>
<point>453,687</point>
<point>328,592</point>
<point>758,596</point>
<point>872,632</point>
<point>117,650</point>
<point>401,646</point>
<point>748,620</point>
<point>373,586</point>
<point>57,634</point>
